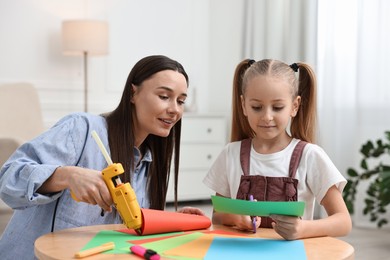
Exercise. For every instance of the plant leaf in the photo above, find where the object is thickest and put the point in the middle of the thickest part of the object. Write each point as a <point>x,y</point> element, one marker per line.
<point>387,134</point>
<point>363,164</point>
<point>382,222</point>
<point>352,173</point>
<point>378,192</point>
<point>366,148</point>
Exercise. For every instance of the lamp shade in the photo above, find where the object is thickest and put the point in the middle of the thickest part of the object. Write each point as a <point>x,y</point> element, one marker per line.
<point>84,36</point>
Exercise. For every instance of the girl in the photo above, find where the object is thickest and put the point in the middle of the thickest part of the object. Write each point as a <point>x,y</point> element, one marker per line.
<point>272,161</point>
<point>142,133</point>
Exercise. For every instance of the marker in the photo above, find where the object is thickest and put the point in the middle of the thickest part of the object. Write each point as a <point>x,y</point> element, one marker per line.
<point>148,254</point>
<point>253,218</point>
<point>95,250</point>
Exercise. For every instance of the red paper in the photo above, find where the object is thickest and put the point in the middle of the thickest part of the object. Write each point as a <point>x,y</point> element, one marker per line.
<point>159,221</point>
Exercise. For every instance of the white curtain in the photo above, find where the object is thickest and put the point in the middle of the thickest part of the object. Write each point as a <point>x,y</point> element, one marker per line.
<point>283,30</point>
<point>347,42</point>
<point>353,80</point>
<point>280,29</point>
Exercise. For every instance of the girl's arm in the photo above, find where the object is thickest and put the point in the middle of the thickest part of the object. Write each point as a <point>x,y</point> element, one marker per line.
<point>337,223</point>
<point>242,222</point>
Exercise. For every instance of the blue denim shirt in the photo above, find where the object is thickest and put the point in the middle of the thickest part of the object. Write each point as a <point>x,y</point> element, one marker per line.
<point>69,142</point>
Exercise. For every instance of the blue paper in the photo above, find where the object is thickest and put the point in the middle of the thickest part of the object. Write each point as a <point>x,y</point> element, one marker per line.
<point>255,248</point>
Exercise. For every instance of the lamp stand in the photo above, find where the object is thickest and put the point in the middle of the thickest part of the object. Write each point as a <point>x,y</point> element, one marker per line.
<point>86,38</point>
<point>85,55</point>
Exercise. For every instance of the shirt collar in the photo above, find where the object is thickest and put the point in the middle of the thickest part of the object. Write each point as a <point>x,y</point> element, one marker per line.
<point>147,156</point>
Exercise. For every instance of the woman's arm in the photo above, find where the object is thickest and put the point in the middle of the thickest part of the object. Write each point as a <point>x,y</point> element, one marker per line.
<point>86,185</point>
<point>33,174</point>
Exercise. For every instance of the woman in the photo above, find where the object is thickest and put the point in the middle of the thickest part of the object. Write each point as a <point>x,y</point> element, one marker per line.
<point>142,133</point>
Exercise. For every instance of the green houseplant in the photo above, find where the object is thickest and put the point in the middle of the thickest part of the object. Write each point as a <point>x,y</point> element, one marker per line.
<point>373,169</point>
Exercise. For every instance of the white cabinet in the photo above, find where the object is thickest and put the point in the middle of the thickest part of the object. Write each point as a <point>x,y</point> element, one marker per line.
<point>202,139</point>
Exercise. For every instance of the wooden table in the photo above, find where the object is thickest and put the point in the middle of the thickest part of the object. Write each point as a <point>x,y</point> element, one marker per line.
<point>65,243</point>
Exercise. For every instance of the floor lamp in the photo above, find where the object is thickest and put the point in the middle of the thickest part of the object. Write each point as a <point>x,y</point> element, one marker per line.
<point>86,38</point>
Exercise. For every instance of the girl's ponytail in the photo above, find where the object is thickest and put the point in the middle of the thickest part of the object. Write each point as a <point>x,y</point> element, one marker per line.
<point>240,127</point>
<point>303,125</point>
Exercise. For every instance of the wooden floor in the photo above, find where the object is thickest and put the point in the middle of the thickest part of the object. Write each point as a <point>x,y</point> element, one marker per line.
<point>369,243</point>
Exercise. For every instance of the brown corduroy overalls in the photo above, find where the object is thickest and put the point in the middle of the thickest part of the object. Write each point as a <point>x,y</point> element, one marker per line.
<point>265,188</point>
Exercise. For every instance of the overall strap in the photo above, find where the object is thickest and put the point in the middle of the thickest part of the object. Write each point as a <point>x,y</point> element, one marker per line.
<point>245,155</point>
<point>294,162</point>
<point>296,157</point>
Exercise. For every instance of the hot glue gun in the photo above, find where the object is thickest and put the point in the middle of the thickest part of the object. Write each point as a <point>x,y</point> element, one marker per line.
<point>122,194</point>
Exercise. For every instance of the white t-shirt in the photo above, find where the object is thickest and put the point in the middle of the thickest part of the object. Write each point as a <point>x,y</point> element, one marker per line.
<point>316,173</point>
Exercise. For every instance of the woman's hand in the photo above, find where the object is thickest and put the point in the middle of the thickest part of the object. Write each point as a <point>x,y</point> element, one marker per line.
<point>86,185</point>
<point>191,210</point>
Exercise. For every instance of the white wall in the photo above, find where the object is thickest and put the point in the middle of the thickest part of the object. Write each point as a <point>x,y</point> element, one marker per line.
<point>30,49</point>
<point>201,34</point>
<point>226,33</point>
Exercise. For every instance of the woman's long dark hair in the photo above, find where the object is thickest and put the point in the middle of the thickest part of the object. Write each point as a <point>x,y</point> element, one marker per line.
<point>121,133</point>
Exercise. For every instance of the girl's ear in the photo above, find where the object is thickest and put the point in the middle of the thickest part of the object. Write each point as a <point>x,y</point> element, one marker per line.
<point>295,106</point>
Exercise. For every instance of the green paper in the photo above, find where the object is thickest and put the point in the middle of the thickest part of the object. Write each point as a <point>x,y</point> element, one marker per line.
<point>122,246</point>
<point>105,236</point>
<point>258,208</point>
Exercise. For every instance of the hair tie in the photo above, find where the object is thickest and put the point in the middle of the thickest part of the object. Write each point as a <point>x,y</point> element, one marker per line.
<point>295,67</point>
<point>250,62</point>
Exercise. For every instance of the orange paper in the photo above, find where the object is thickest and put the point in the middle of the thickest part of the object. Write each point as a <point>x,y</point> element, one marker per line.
<point>149,240</point>
<point>159,221</point>
<point>198,247</point>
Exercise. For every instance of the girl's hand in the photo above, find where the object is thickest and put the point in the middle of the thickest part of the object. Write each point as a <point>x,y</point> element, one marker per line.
<point>245,223</point>
<point>191,210</point>
<point>290,228</point>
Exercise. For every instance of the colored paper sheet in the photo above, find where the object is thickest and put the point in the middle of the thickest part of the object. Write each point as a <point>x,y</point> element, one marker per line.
<point>150,238</point>
<point>105,236</point>
<point>159,221</point>
<point>196,248</point>
<point>169,243</point>
<point>258,208</point>
<point>225,232</point>
<point>255,248</point>
<point>121,240</point>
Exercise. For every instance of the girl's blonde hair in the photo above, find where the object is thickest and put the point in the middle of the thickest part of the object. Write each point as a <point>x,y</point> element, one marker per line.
<point>303,125</point>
